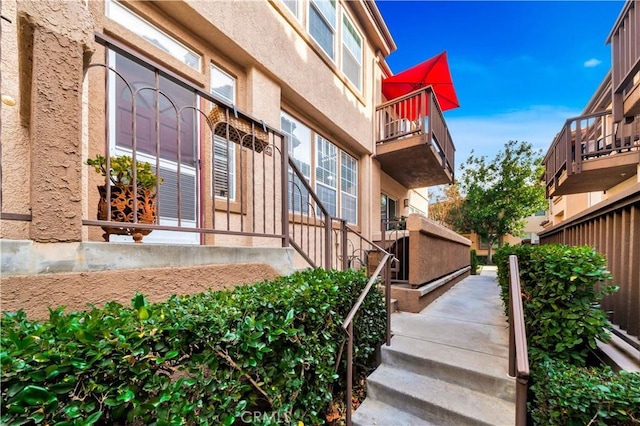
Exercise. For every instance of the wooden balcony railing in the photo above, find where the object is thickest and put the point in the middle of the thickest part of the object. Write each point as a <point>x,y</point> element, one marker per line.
<point>417,114</point>
<point>626,54</point>
<point>585,139</point>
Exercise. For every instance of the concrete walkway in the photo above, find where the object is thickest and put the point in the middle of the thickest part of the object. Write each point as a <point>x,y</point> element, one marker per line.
<point>446,365</point>
<point>468,316</point>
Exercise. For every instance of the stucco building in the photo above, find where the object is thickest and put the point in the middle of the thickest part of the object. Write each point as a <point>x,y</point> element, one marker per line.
<point>264,120</point>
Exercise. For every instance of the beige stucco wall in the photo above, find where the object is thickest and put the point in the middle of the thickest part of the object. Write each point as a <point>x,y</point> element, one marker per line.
<point>16,164</point>
<point>434,251</point>
<point>41,158</point>
<point>35,294</point>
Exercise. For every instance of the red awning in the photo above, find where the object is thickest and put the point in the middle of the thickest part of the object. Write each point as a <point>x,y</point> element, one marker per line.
<point>432,72</point>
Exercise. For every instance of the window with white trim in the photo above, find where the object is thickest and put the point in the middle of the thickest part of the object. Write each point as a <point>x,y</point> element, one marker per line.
<point>299,137</point>
<point>224,170</point>
<point>295,6</point>
<point>322,24</point>
<point>327,174</point>
<point>223,85</point>
<point>348,187</point>
<point>160,103</point>
<point>351,52</point>
<point>128,19</point>
<point>333,174</point>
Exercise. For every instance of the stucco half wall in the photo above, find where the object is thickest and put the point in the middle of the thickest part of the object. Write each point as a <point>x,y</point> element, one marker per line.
<point>35,294</point>
<point>435,251</point>
<point>37,276</point>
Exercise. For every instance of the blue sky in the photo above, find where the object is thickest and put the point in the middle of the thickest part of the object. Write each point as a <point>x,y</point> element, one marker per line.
<point>520,68</point>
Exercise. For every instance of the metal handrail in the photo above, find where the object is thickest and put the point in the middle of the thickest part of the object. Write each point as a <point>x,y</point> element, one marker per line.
<point>518,353</point>
<point>347,325</point>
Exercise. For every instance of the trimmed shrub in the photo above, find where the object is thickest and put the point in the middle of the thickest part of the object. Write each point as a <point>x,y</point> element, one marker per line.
<point>204,359</point>
<point>566,395</point>
<point>474,262</point>
<point>560,298</point>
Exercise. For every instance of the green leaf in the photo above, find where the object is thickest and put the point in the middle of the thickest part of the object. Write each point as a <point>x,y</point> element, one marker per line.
<point>37,417</point>
<point>93,418</point>
<point>143,313</point>
<point>171,354</point>
<point>127,396</point>
<point>33,395</point>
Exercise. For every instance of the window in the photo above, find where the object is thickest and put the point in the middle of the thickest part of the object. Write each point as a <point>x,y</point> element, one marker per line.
<point>300,151</point>
<point>223,85</point>
<point>322,24</point>
<point>295,6</point>
<point>326,174</point>
<point>123,16</point>
<point>334,174</point>
<point>349,187</point>
<point>351,52</point>
<point>175,153</point>
<point>224,169</point>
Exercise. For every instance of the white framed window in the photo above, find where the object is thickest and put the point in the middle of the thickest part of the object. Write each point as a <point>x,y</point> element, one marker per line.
<point>295,6</point>
<point>351,52</point>
<point>333,173</point>
<point>178,203</point>
<point>127,18</point>
<point>299,137</point>
<point>223,85</point>
<point>327,174</point>
<point>224,168</point>
<point>322,24</point>
<point>348,188</point>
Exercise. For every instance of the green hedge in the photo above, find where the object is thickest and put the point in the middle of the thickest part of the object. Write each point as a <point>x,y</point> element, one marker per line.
<point>560,298</point>
<point>567,395</point>
<point>563,321</point>
<point>211,358</point>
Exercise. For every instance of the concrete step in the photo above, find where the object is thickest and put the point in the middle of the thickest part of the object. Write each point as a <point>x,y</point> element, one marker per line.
<point>620,354</point>
<point>436,401</point>
<point>394,305</point>
<point>376,413</point>
<point>475,370</point>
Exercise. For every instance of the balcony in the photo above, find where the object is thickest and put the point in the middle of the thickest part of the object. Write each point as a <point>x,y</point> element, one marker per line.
<point>413,144</point>
<point>608,153</point>
<point>626,62</point>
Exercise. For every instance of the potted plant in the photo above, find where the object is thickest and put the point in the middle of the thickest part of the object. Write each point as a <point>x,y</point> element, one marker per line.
<point>121,195</point>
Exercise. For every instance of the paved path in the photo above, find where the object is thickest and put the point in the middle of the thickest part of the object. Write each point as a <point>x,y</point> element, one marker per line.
<point>468,316</point>
<point>446,365</point>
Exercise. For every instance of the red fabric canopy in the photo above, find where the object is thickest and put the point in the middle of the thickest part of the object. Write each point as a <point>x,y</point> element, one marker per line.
<point>432,72</point>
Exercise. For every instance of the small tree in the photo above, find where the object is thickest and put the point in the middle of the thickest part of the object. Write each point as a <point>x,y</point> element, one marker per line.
<point>501,193</point>
<point>447,206</point>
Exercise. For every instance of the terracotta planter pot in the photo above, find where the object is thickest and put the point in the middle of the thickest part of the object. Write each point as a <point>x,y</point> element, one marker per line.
<point>122,210</point>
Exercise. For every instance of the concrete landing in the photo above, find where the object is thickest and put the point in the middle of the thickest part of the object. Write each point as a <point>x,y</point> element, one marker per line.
<point>446,364</point>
